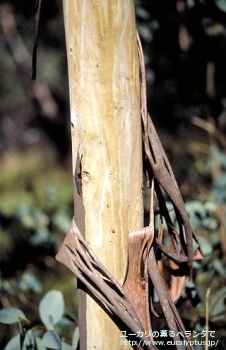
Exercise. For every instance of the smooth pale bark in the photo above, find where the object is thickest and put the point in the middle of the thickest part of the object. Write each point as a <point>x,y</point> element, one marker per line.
<point>106,132</point>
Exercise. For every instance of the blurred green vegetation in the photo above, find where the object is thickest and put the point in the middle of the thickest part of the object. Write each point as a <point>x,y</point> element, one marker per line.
<point>28,180</point>
<point>184,41</point>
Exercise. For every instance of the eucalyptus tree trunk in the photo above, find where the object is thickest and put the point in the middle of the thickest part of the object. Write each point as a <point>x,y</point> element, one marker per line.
<point>106,143</point>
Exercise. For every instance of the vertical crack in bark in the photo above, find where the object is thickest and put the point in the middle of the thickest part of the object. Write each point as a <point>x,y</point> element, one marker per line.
<point>133,305</point>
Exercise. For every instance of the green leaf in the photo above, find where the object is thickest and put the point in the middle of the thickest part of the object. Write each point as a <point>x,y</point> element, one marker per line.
<point>66,346</point>
<point>196,213</point>
<point>221,4</point>
<point>51,340</point>
<point>217,306</point>
<point>29,342</point>
<point>51,308</point>
<point>11,315</point>
<point>13,344</point>
<point>190,3</point>
<point>28,282</point>
<point>42,236</point>
<point>206,246</point>
<point>142,13</point>
<point>38,342</point>
<point>62,221</point>
<point>75,338</point>
<point>218,266</point>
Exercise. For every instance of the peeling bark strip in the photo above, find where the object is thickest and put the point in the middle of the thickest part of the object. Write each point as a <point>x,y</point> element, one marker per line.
<point>131,306</point>
<point>77,255</point>
<point>159,168</point>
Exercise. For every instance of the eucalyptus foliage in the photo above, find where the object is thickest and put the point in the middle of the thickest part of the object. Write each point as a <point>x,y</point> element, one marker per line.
<point>51,312</point>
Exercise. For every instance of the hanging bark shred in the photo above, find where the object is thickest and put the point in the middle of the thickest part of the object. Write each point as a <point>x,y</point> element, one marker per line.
<point>133,303</point>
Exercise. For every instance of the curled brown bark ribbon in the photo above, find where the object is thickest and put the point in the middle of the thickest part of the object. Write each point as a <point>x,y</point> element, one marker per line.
<point>77,255</point>
<point>133,303</point>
